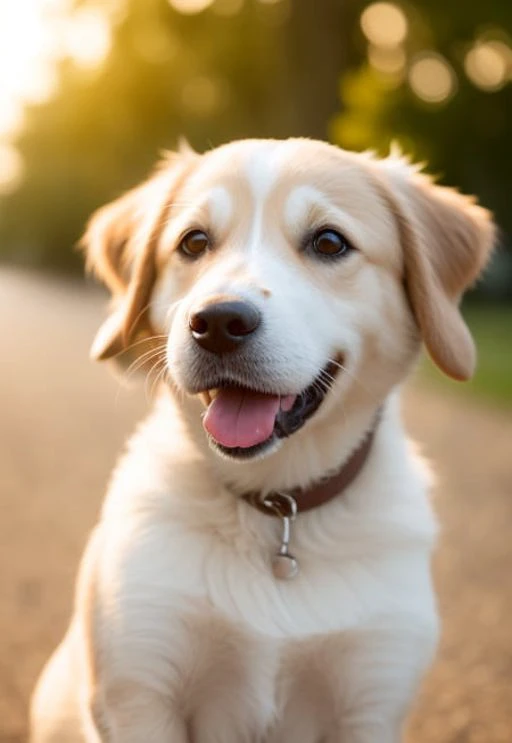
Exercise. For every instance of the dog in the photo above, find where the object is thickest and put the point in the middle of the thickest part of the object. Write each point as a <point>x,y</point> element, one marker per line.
<point>261,567</point>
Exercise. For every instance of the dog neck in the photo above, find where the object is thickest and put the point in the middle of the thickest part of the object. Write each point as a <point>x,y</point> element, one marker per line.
<point>323,490</point>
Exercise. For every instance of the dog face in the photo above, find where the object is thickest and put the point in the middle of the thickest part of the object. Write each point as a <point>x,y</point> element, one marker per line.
<point>289,278</point>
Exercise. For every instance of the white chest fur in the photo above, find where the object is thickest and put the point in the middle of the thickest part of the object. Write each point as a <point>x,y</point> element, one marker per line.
<point>188,605</point>
<point>248,657</point>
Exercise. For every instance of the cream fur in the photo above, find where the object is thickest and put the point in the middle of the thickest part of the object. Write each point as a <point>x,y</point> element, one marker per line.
<point>180,633</point>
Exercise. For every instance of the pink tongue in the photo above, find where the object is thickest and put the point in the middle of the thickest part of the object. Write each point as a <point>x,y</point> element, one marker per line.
<point>241,418</point>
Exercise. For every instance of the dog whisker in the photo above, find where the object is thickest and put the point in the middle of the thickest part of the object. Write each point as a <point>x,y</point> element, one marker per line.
<point>352,376</point>
<point>159,379</point>
<point>155,366</point>
<point>157,354</point>
<point>158,367</point>
<point>326,378</point>
<point>140,361</point>
<point>143,359</point>
<point>154,303</point>
<point>322,385</point>
<point>149,339</point>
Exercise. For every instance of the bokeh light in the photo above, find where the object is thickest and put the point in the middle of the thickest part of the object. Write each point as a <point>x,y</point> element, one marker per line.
<point>432,78</point>
<point>190,7</point>
<point>384,24</point>
<point>87,37</point>
<point>387,60</point>
<point>488,64</point>
<point>203,96</point>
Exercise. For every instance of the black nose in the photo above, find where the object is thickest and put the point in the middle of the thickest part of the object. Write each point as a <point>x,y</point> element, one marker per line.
<point>221,327</point>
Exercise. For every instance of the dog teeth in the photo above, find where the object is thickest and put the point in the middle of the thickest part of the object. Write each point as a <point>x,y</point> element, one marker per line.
<point>206,398</point>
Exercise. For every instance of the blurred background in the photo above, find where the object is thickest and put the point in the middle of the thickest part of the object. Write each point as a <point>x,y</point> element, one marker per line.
<point>91,92</point>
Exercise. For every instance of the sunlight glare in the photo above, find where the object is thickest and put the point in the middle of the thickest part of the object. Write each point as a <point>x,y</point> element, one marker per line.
<point>34,36</point>
<point>25,49</point>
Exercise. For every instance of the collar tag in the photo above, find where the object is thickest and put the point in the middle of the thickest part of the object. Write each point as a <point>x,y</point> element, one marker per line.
<point>283,505</point>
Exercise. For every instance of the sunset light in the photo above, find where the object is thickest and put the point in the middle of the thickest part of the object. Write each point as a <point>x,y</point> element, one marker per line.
<point>25,58</point>
<point>34,36</point>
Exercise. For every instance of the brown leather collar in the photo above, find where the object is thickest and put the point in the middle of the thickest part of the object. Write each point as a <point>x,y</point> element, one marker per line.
<point>324,490</point>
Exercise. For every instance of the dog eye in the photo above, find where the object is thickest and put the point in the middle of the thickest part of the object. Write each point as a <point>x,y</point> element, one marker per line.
<point>194,244</point>
<point>330,243</point>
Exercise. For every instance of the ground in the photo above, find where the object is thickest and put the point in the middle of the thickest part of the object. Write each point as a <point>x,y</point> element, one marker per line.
<point>64,419</point>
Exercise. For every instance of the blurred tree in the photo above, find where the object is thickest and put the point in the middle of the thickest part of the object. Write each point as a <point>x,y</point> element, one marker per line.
<point>234,70</point>
<point>264,68</point>
<point>445,95</point>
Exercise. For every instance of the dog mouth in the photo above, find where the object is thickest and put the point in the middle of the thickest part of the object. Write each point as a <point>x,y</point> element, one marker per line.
<point>242,422</point>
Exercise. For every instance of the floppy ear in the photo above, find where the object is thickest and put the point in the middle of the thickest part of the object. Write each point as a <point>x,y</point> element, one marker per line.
<point>120,244</point>
<point>447,239</point>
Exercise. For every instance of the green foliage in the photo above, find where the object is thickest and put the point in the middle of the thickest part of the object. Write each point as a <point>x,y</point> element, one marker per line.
<point>491,326</point>
<point>271,69</point>
<point>466,139</point>
<point>209,77</point>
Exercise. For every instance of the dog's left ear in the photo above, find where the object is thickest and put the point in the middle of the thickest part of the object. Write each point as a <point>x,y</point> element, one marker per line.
<point>120,244</point>
<point>447,239</point>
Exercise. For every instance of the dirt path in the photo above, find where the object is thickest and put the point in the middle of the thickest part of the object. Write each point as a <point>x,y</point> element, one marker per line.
<point>62,422</point>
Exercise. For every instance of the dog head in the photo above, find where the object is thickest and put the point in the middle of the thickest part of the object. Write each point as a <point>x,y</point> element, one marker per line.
<point>287,279</point>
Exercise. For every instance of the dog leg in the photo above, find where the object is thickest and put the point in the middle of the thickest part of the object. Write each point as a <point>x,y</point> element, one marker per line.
<point>380,675</point>
<point>132,640</point>
<point>135,715</point>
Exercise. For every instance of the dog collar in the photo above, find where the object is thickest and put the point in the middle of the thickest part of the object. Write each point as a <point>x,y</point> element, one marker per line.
<point>286,505</point>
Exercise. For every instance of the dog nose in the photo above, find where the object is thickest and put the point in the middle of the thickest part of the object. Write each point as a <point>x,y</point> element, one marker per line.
<point>221,327</point>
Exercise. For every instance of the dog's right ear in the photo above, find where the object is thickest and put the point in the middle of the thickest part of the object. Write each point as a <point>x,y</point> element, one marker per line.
<point>120,244</point>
